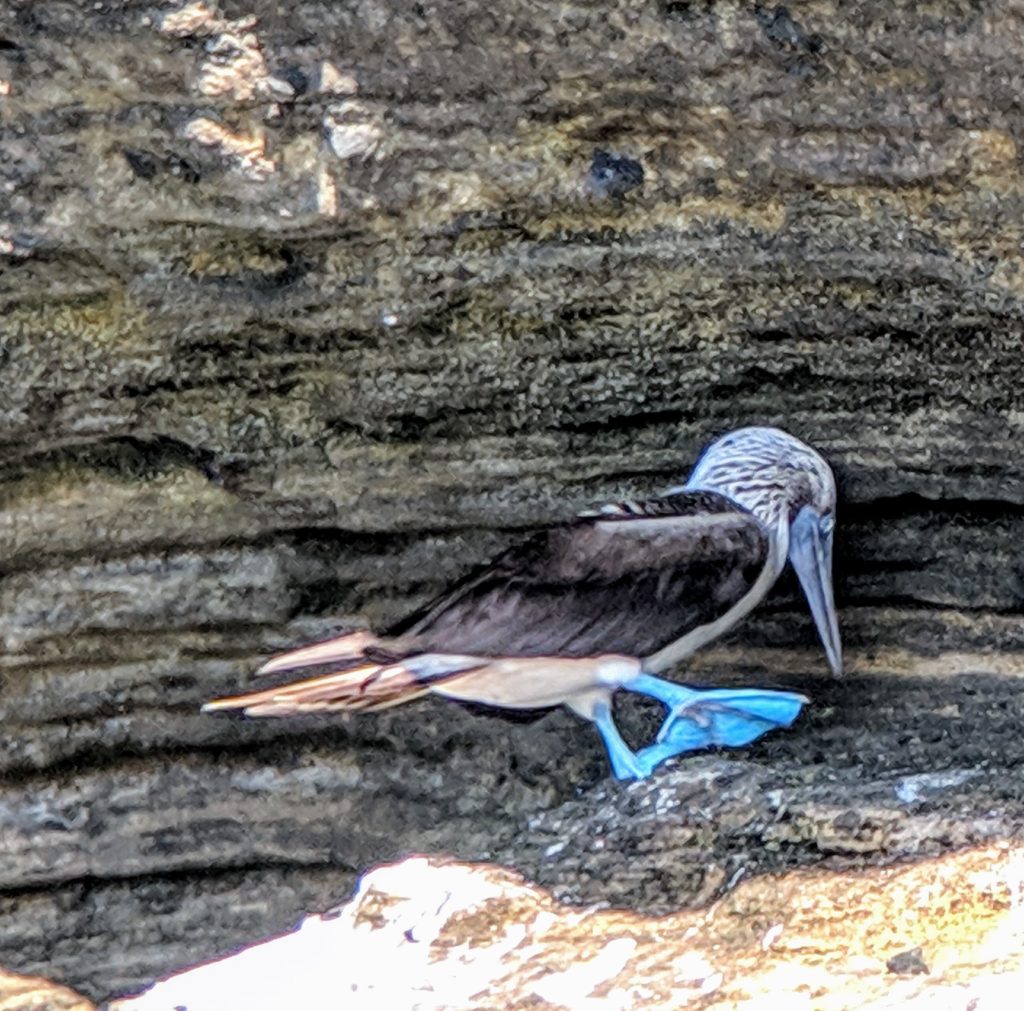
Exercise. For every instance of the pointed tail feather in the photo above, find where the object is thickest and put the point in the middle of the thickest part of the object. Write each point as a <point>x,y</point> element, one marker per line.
<point>361,688</point>
<point>294,707</point>
<point>349,647</point>
<point>368,687</point>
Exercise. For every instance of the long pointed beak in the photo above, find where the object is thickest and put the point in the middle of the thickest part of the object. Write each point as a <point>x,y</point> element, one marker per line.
<point>810,551</point>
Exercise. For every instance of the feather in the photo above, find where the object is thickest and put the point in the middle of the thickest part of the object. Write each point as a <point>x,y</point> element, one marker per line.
<point>368,688</point>
<point>351,647</point>
<point>628,582</point>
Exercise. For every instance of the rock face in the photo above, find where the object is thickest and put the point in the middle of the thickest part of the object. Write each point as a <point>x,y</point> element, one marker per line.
<point>309,308</point>
<point>441,936</point>
<point>28,993</point>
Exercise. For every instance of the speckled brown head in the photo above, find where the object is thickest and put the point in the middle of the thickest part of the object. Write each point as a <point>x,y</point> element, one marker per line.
<point>790,488</point>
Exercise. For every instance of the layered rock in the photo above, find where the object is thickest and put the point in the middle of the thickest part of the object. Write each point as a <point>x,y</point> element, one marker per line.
<point>307,312</point>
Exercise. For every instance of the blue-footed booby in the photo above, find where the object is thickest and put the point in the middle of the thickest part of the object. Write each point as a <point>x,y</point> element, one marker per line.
<point>607,601</point>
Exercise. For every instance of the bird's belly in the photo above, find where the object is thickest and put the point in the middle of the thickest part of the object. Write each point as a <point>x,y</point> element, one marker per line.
<point>539,682</point>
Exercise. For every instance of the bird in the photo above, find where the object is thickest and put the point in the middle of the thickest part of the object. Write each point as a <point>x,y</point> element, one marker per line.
<point>608,600</point>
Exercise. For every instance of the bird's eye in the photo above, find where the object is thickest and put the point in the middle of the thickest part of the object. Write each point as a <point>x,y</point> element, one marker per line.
<point>827,523</point>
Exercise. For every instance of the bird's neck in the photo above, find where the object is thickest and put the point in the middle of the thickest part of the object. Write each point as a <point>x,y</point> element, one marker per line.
<point>778,545</point>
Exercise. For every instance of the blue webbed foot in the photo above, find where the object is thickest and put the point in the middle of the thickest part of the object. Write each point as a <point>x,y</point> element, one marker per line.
<point>725,717</point>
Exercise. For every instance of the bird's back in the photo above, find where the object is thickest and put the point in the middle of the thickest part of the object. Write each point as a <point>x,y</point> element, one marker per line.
<point>631,578</point>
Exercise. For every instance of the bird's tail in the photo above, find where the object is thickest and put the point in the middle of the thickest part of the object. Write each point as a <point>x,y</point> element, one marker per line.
<point>366,688</point>
<point>348,649</point>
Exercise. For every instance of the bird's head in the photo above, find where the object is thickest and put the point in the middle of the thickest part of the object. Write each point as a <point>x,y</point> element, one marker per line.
<point>791,490</point>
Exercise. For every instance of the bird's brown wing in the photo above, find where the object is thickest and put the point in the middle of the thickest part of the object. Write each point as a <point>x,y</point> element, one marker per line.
<point>630,578</point>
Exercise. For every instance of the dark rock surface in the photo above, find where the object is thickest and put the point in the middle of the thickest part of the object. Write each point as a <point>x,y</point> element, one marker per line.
<point>306,314</point>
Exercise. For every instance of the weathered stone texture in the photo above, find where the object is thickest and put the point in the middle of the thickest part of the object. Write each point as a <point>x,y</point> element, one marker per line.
<point>945,933</point>
<point>308,307</point>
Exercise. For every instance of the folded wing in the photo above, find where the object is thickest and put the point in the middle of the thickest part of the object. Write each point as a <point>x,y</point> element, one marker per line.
<point>629,579</point>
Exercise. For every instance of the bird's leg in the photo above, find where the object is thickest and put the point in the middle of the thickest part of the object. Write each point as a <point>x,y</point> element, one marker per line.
<point>623,761</point>
<point>729,717</point>
<point>596,707</point>
<point>671,695</point>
